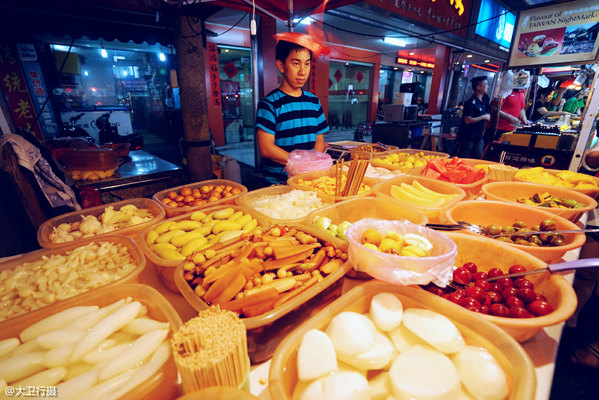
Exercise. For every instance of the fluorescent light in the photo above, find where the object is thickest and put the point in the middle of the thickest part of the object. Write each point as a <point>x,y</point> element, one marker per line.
<point>395,41</point>
<point>161,57</point>
<point>85,73</point>
<point>487,61</point>
<point>469,56</point>
<point>412,53</point>
<point>125,73</point>
<point>395,68</point>
<point>117,58</point>
<point>60,47</point>
<point>104,53</point>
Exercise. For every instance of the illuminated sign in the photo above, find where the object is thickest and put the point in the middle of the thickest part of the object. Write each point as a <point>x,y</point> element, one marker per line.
<point>495,23</point>
<point>414,63</point>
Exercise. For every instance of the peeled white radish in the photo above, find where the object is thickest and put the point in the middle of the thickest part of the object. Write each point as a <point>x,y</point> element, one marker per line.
<point>56,321</point>
<point>435,329</point>
<point>380,386</point>
<point>88,320</point>
<point>377,357</point>
<point>424,373</point>
<point>59,356</point>
<point>386,311</point>
<point>480,373</point>
<point>95,357</point>
<point>26,347</point>
<point>59,337</point>
<point>141,326</point>
<point>21,366</point>
<point>351,333</point>
<point>72,388</point>
<point>463,395</point>
<point>48,377</point>
<point>403,338</point>
<point>340,386</point>
<point>316,356</point>
<point>300,387</point>
<point>8,345</point>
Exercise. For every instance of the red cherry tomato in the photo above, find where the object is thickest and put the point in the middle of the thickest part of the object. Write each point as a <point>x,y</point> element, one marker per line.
<point>495,297</point>
<point>541,297</point>
<point>470,266</point>
<point>473,308</point>
<point>471,302</point>
<point>499,310</point>
<point>495,272</point>
<point>484,285</point>
<point>528,295</point>
<point>505,282</point>
<point>508,292</point>
<point>519,312</point>
<point>479,276</point>
<point>514,301</point>
<point>517,268</point>
<point>462,276</point>
<point>496,287</point>
<point>522,283</point>
<point>484,309</point>
<point>476,293</point>
<point>540,308</point>
<point>455,298</point>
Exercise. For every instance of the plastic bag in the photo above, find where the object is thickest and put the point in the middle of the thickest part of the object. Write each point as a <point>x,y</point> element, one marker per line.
<point>438,268</point>
<point>302,161</point>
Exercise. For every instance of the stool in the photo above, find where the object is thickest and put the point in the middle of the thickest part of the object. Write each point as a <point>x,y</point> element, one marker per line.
<point>435,142</point>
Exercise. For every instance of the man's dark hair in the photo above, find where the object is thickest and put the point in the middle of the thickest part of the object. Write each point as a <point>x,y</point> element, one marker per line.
<point>476,81</point>
<point>284,48</point>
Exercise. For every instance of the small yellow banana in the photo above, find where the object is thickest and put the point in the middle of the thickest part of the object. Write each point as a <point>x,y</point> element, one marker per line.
<point>163,227</point>
<point>166,237</point>
<point>197,215</point>
<point>222,226</point>
<point>151,237</point>
<point>224,213</point>
<point>170,254</point>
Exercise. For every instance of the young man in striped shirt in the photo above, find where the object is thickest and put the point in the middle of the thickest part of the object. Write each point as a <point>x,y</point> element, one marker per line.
<point>289,118</point>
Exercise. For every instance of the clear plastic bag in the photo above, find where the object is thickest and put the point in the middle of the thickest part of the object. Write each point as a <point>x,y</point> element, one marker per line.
<point>399,270</point>
<point>302,161</point>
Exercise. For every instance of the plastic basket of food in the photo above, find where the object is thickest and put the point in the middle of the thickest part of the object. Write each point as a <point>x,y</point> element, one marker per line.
<point>167,243</point>
<point>384,340</point>
<point>429,196</point>
<point>295,271</point>
<point>582,183</point>
<point>369,151</point>
<point>111,342</point>
<point>497,172</point>
<point>520,306</point>
<point>497,218</point>
<point>409,161</point>
<point>89,163</point>
<point>195,196</point>
<point>323,183</point>
<point>462,172</point>
<point>282,204</point>
<point>125,217</point>
<point>33,282</point>
<point>564,202</point>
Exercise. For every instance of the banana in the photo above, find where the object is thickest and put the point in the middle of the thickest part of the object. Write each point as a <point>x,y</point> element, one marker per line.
<point>194,245</point>
<point>166,237</point>
<point>250,225</point>
<point>204,230</point>
<point>401,194</point>
<point>197,216</point>
<point>170,254</point>
<point>186,225</point>
<point>163,227</point>
<point>224,213</point>
<point>244,219</point>
<point>162,246</point>
<point>423,188</point>
<point>236,216</point>
<point>207,218</point>
<point>222,226</point>
<point>413,251</point>
<point>228,235</point>
<point>420,193</point>
<point>182,240</point>
<point>151,237</point>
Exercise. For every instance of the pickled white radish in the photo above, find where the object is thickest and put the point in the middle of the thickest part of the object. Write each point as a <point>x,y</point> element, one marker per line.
<point>8,345</point>
<point>59,337</point>
<point>403,338</point>
<point>351,333</point>
<point>417,240</point>
<point>21,366</point>
<point>340,386</point>
<point>26,347</point>
<point>59,356</point>
<point>96,357</point>
<point>435,329</point>
<point>463,395</point>
<point>2,385</point>
<point>87,321</point>
<point>380,386</point>
<point>343,367</point>
<point>48,377</point>
<point>316,356</point>
<point>424,373</point>
<point>386,311</point>
<point>56,321</point>
<point>141,326</point>
<point>481,374</point>
<point>377,357</point>
<point>72,388</point>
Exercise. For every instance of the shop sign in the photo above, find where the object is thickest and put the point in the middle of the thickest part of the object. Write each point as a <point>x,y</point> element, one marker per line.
<point>441,14</point>
<point>497,29</point>
<point>230,69</point>
<point>414,63</point>
<point>14,87</point>
<point>214,89</point>
<point>406,77</point>
<point>565,33</point>
<point>312,81</point>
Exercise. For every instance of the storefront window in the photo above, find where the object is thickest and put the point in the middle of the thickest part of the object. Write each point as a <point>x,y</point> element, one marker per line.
<point>349,94</point>
<point>389,81</point>
<point>236,92</point>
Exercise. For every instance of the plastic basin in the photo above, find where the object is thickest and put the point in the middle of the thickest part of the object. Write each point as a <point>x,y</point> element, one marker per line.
<point>310,176</point>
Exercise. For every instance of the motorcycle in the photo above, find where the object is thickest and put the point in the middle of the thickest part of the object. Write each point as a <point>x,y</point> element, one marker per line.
<point>109,134</point>
<point>71,130</point>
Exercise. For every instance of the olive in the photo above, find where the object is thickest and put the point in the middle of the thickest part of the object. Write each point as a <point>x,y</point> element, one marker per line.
<point>570,203</point>
<point>505,239</point>
<point>547,225</point>
<point>533,244</point>
<point>508,229</point>
<point>557,241</point>
<point>494,230</point>
<point>519,224</point>
<point>546,237</point>
<point>535,239</point>
<point>522,242</point>
<point>520,233</point>
<point>535,228</point>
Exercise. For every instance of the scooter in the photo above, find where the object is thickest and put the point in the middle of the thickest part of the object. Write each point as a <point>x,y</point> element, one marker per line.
<point>110,134</point>
<point>71,130</point>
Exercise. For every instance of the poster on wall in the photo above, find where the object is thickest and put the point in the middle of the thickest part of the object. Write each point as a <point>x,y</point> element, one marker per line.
<point>559,34</point>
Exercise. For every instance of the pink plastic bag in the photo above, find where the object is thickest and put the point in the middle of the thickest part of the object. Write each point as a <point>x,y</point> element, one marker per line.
<point>302,161</point>
<point>437,268</point>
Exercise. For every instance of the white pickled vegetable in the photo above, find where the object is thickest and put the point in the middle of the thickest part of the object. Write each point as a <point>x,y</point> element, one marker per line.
<point>104,389</point>
<point>316,356</point>
<point>8,345</point>
<point>141,326</point>
<point>59,355</point>
<point>351,333</point>
<point>403,338</point>
<point>481,374</point>
<point>26,347</point>
<point>291,205</point>
<point>340,386</point>
<point>435,329</point>
<point>48,377</point>
<point>56,321</point>
<point>377,357</point>
<point>386,311</point>
<point>73,388</point>
<point>59,337</point>
<point>380,386</point>
<point>98,356</point>
<point>424,373</point>
<point>2,385</point>
<point>105,328</point>
<point>88,320</point>
<point>19,367</point>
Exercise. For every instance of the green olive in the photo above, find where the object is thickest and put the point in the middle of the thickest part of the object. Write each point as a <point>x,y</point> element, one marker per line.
<point>508,229</point>
<point>536,240</point>
<point>557,241</point>
<point>505,239</point>
<point>520,234</point>
<point>494,230</point>
<point>519,224</point>
<point>570,203</point>
<point>522,242</point>
<point>548,225</point>
<point>534,244</point>
<point>535,228</point>
<point>546,237</point>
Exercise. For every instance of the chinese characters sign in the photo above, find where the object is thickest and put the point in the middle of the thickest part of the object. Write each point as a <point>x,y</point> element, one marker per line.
<point>558,34</point>
<point>214,88</point>
<point>14,87</point>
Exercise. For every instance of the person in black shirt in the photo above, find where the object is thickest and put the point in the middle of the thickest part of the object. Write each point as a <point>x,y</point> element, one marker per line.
<point>474,117</point>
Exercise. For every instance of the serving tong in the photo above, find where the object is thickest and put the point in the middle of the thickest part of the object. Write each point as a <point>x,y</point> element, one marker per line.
<point>478,230</point>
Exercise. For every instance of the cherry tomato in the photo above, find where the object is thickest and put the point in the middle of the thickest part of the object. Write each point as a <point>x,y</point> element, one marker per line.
<point>540,308</point>
<point>527,294</point>
<point>541,297</point>
<point>455,298</point>
<point>519,312</point>
<point>508,292</point>
<point>470,266</point>
<point>522,283</point>
<point>473,308</point>
<point>495,297</point>
<point>514,301</point>
<point>517,268</point>
<point>471,302</point>
<point>484,285</point>
<point>496,287</point>
<point>484,309</point>
<point>462,276</point>
<point>499,310</point>
<point>435,290</point>
<point>479,276</point>
<point>495,272</point>
<point>476,293</point>
<point>505,282</point>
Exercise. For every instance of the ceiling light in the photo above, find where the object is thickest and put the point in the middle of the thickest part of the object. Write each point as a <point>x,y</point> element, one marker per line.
<point>422,72</point>
<point>103,53</point>
<point>395,68</point>
<point>85,73</point>
<point>161,57</point>
<point>487,61</point>
<point>395,41</point>
<point>469,56</point>
<point>412,53</point>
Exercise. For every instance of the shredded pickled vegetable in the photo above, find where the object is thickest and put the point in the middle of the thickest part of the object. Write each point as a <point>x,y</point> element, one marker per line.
<point>292,205</point>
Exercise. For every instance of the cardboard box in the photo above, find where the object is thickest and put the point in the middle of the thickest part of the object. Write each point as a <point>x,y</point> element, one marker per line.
<point>403,98</point>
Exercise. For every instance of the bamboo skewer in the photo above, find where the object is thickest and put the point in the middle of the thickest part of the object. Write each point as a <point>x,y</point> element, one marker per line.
<point>355,175</point>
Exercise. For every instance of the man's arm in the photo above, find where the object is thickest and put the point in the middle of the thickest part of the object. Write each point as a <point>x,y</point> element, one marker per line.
<point>471,120</point>
<point>319,145</point>
<point>522,117</point>
<point>510,118</point>
<point>268,148</point>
